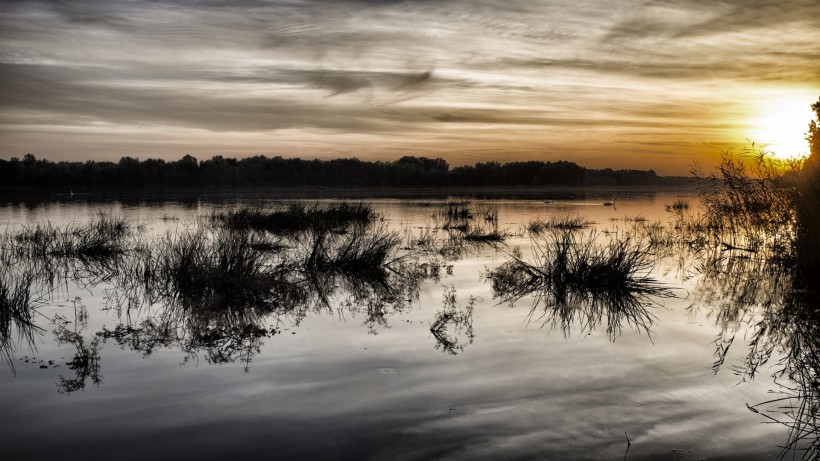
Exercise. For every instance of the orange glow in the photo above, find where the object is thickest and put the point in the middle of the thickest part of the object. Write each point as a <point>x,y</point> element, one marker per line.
<point>781,125</point>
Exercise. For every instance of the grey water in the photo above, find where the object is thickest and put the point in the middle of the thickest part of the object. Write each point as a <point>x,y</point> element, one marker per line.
<point>367,377</point>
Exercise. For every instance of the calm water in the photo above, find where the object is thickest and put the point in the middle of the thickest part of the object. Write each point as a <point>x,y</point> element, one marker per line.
<point>355,379</point>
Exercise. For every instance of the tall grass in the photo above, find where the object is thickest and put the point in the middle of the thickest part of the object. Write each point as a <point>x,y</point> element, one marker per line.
<point>295,217</point>
<point>760,269</point>
<point>103,237</point>
<point>539,226</point>
<point>577,279</point>
<point>212,270</point>
<point>17,305</point>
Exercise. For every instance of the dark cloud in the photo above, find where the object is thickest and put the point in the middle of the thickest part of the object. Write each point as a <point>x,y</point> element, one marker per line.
<point>69,92</point>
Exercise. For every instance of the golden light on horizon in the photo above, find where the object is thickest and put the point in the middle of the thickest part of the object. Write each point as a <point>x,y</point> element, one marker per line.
<point>780,127</point>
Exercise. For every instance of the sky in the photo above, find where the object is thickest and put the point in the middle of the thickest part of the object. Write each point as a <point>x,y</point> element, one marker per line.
<point>612,83</point>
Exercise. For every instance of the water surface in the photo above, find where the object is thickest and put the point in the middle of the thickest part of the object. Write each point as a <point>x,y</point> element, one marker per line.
<point>355,379</point>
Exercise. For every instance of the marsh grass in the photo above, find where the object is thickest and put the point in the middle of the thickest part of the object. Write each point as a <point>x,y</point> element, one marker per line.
<point>102,238</point>
<point>454,216</point>
<point>295,217</point>
<point>17,305</point>
<point>569,223</point>
<point>576,279</point>
<point>750,202</point>
<point>212,269</point>
<point>488,213</point>
<point>355,252</point>
<point>678,205</point>
<point>485,232</point>
<point>759,268</point>
<point>85,253</point>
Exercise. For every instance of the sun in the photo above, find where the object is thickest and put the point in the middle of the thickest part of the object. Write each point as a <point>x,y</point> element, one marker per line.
<point>781,126</point>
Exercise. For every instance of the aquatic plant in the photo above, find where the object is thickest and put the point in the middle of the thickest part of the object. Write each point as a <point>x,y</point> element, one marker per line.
<point>295,217</point>
<point>576,279</point>
<point>750,202</point>
<point>539,226</point>
<point>762,273</point>
<point>677,206</point>
<point>351,253</point>
<point>103,237</point>
<point>17,305</point>
<point>488,212</point>
<point>222,269</point>
<point>454,216</point>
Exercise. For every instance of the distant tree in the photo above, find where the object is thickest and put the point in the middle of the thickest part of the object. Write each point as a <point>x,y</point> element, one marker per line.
<point>407,171</point>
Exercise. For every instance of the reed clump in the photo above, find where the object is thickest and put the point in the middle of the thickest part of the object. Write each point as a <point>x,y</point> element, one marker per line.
<point>295,217</point>
<point>355,252</point>
<point>104,237</point>
<point>215,270</point>
<point>678,205</point>
<point>479,235</point>
<point>16,308</point>
<point>569,223</point>
<point>577,279</point>
<point>453,325</point>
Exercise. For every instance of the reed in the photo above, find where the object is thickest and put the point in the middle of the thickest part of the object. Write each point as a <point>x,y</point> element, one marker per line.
<point>570,223</point>
<point>16,307</point>
<point>215,270</point>
<point>295,217</point>
<point>576,279</point>
<point>678,205</point>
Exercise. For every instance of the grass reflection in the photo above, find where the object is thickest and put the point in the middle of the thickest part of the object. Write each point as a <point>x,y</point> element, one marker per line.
<point>575,280</point>
<point>759,269</point>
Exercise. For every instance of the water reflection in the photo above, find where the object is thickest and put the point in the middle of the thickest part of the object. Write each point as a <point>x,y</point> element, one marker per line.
<point>17,308</point>
<point>575,280</point>
<point>767,302</point>
<point>453,325</point>
<point>209,289</point>
<point>760,284</point>
<point>219,295</point>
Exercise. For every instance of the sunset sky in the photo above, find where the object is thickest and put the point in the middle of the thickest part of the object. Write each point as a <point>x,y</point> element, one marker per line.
<point>623,84</point>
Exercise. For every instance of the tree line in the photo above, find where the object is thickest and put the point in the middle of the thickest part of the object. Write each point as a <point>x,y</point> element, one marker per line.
<point>277,171</point>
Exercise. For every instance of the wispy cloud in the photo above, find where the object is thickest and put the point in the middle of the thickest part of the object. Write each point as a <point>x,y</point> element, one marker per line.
<point>459,79</point>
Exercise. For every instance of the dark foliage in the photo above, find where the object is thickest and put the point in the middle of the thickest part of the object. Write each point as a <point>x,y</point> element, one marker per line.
<point>294,172</point>
<point>295,217</point>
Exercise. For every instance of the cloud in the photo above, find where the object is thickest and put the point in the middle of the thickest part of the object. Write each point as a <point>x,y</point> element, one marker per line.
<point>457,71</point>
